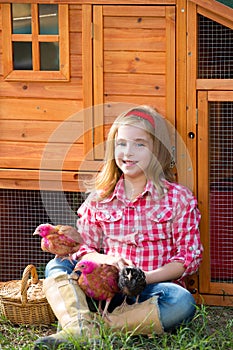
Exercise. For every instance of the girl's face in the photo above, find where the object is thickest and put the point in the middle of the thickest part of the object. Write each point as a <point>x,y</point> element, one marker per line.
<point>133,150</point>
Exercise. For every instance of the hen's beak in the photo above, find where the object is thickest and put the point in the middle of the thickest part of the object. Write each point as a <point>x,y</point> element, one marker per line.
<point>129,275</point>
<point>77,271</point>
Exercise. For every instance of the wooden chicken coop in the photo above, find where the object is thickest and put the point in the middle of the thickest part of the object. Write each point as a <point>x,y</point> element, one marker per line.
<point>68,68</point>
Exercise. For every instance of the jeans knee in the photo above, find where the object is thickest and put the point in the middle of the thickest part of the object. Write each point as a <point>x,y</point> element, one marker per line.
<point>58,265</point>
<point>177,306</point>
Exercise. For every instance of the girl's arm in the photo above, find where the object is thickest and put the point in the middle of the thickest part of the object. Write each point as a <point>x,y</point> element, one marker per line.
<point>168,272</point>
<point>106,259</point>
<point>187,248</point>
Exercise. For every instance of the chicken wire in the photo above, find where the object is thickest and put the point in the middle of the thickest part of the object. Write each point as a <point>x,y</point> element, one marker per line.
<point>21,211</point>
<point>221,190</point>
<point>215,50</point>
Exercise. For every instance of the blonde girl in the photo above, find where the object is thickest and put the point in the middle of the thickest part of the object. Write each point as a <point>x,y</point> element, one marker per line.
<point>136,214</point>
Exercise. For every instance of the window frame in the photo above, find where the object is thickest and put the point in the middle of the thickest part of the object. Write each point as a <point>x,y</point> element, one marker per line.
<point>63,74</point>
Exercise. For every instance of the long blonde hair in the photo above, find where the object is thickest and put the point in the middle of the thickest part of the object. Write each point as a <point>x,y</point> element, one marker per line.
<point>160,166</point>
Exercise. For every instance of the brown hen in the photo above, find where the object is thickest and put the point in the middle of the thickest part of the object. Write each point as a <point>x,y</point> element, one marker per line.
<point>98,281</point>
<point>60,240</point>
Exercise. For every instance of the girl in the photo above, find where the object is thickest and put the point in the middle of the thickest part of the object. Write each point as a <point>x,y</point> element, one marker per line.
<point>137,215</point>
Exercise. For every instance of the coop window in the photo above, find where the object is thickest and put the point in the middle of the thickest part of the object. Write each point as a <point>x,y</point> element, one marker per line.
<point>215,50</point>
<point>36,42</point>
<point>221,190</point>
<point>21,212</point>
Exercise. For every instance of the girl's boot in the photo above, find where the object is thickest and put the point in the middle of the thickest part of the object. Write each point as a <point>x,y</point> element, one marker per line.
<point>139,318</point>
<point>70,307</point>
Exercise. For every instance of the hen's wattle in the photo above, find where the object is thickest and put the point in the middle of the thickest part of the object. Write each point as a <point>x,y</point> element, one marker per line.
<point>98,281</point>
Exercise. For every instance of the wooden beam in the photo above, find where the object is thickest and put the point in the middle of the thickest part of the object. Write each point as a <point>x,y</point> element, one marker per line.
<point>181,90</point>
<point>203,189</point>
<point>215,7</point>
<point>191,95</point>
<point>87,80</point>
<point>98,54</point>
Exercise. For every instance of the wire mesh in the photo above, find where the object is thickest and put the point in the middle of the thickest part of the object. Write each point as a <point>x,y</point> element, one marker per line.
<point>221,190</point>
<point>215,50</point>
<point>21,211</point>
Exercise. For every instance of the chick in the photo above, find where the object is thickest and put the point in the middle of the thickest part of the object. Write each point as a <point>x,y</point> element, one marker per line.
<point>132,281</point>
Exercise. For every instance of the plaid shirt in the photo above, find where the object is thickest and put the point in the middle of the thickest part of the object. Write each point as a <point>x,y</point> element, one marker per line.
<point>150,231</point>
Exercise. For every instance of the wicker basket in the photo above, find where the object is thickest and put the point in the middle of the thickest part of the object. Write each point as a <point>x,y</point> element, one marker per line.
<point>23,302</point>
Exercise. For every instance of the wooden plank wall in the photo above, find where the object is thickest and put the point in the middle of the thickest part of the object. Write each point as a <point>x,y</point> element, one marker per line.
<point>133,62</point>
<point>35,123</point>
<point>135,57</point>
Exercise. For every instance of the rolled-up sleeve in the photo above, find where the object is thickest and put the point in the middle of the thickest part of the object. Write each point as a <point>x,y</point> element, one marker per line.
<point>187,247</point>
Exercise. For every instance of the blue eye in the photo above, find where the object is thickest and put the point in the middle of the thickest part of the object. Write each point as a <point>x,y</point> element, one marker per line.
<point>121,143</point>
<point>140,144</point>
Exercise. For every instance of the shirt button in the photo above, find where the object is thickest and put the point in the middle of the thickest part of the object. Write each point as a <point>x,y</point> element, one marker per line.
<point>133,229</point>
<point>158,216</point>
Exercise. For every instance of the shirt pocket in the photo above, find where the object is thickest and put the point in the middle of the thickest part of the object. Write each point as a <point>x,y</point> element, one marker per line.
<point>159,222</point>
<point>109,216</point>
<point>110,222</point>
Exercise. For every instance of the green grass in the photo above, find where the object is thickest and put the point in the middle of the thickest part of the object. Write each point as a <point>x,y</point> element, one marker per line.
<point>211,329</point>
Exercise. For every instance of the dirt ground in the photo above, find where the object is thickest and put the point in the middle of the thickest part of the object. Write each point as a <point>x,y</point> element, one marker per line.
<point>218,316</point>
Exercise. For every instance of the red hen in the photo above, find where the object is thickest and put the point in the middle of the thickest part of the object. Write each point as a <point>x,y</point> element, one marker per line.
<point>60,240</point>
<point>98,281</point>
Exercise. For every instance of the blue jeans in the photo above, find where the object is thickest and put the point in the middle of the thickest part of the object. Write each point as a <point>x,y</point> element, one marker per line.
<point>176,304</point>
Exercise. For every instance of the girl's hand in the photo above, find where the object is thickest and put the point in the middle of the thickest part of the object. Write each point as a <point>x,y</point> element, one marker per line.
<point>107,259</point>
<point>121,262</point>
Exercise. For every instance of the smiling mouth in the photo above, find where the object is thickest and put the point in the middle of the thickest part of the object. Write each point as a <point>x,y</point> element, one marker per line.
<point>129,162</point>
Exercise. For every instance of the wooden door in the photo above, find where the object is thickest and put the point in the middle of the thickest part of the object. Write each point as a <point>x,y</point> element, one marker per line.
<point>215,194</point>
<point>134,63</point>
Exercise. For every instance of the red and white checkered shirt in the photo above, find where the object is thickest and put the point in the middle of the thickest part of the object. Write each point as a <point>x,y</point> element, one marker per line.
<point>150,231</point>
